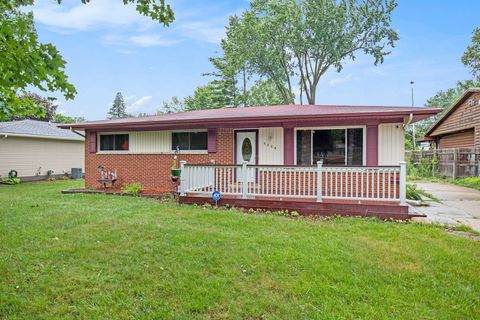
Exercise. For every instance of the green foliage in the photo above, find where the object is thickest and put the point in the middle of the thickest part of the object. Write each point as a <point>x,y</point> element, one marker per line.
<point>285,39</point>
<point>60,118</point>
<point>412,192</point>
<point>133,188</point>
<point>471,57</point>
<point>172,106</point>
<point>103,257</point>
<point>10,180</point>
<point>25,62</point>
<point>210,96</point>
<point>425,168</point>
<point>118,109</point>
<point>470,182</point>
<point>263,93</point>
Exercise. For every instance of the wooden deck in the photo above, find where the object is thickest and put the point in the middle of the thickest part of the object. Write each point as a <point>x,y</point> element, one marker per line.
<point>307,207</point>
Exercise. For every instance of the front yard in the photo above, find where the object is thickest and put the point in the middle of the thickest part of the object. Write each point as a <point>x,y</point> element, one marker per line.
<point>98,256</point>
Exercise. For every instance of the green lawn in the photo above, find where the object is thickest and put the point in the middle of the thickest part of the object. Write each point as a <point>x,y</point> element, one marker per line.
<point>96,256</point>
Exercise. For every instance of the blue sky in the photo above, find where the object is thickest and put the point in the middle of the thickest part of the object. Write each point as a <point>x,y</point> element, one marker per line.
<point>109,48</point>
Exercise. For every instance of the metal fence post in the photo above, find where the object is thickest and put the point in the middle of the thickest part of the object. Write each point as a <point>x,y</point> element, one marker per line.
<point>403,182</point>
<point>319,180</point>
<point>182,177</point>
<point>244,180</point>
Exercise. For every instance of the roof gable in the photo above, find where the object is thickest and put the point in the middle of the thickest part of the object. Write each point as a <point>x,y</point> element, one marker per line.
<point>461,115</point>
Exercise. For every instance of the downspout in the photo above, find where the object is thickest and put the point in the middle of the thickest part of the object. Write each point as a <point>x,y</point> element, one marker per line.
<point>410,118</point>
<point>73,130</point>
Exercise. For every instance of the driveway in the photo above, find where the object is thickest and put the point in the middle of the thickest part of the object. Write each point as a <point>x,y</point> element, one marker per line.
<point>459,204</point>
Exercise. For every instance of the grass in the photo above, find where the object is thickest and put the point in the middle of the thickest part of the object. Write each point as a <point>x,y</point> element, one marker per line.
<point>471,182</point>
<point>95,256</point>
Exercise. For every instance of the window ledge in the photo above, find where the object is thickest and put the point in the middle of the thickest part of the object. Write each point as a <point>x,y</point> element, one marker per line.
<point>158,153</point>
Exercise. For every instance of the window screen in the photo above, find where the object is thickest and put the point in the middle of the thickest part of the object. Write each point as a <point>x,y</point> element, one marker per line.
<point>190,140</point>
<point>114,142</point>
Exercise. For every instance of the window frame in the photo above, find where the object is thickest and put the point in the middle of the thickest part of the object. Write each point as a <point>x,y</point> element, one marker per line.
<point>186,151</point>
<point>99,134</point>
<point>364,146</point>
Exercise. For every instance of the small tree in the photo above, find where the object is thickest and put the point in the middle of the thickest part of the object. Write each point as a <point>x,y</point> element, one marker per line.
<point>118,109</point>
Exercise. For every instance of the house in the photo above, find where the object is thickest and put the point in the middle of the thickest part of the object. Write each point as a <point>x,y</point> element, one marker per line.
<point>36,149</point>
<point>459,126</point>
<point>257,154</point>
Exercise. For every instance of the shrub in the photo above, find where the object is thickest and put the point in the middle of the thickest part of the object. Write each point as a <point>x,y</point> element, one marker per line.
<point>133,188</point>
<point>10,180</point>
<point>413,193</point>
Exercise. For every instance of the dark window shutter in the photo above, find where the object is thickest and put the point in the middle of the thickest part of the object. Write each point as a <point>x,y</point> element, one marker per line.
<point>212,140</point>
<point>92,142</point>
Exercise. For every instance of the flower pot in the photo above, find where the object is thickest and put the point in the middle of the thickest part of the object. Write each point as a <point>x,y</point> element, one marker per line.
<point>176,172</point>
<point>174,178</point>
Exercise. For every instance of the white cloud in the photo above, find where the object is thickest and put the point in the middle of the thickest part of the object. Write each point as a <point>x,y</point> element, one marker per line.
<point>73,16</point>
<point>141,40</point>
<point>340,80</point>
<point>210,31</point>
<point>139,105</point>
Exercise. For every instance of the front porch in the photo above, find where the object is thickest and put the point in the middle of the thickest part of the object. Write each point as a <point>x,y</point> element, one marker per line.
<point>310,190</point>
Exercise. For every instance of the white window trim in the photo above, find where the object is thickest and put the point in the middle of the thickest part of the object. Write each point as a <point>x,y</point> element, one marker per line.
<point>364,147</point>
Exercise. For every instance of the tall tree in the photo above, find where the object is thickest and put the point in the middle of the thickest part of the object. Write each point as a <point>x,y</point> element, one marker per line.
<point>172,106</point>
<point>118,108</point>
<point>209,96</point>
<point>25,62</point>
<point>263,93</point>
<point>47,107</point>
<point>471,57</point>
<point>287,39</point>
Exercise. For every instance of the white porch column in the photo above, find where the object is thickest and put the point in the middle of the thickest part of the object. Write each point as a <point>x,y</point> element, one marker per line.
<point>183,179</point>
<point>403,182</point>
<point>319,180</point>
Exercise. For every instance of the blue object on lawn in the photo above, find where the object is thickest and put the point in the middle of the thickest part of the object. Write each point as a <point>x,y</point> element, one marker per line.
<point>216,195</point>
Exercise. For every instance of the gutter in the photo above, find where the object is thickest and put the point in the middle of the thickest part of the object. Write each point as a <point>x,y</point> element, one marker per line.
<point>38,136</point>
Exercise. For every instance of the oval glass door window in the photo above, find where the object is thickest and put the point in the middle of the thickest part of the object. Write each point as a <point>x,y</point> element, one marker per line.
<point>246,149</point>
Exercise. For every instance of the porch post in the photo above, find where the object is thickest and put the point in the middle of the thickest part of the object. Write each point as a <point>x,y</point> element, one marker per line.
<point>288,146</point>
<point>403,182</point>
<point>244,180</point>
<point>319,180</point>
<point>372,144</point>
<point>182,177</point>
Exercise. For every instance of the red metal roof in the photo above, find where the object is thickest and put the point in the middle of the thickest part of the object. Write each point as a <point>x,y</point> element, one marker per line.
<point>218,117</point>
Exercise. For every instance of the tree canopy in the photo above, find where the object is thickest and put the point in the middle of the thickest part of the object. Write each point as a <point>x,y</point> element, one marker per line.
<point>27,63</point>
<point>289,40</point>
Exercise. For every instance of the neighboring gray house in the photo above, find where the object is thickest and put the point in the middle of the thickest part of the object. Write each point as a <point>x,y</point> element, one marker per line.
<point>35,148</point>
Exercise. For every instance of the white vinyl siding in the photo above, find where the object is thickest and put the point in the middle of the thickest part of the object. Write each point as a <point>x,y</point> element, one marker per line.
<point>29,156</point>
<point>270,146</point>
<point>150,141</point>
<point>391,146</point>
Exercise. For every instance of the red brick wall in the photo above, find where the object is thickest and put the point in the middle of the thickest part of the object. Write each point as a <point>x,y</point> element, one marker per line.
<point>152,170</point>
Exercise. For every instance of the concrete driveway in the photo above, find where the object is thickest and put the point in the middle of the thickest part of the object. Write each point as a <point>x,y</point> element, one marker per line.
<point>459,204</point>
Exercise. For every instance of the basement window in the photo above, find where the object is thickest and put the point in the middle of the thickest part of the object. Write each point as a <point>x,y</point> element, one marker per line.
<point>114,142</point>
<point>190,140</point>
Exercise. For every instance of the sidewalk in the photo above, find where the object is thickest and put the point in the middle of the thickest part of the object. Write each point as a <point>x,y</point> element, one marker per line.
<point>459,205</point>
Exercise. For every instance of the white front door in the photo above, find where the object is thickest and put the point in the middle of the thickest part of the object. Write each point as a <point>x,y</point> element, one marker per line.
<point>247,150</point>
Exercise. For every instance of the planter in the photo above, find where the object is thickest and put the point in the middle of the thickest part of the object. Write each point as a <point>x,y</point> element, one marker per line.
<point>176,172</point>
